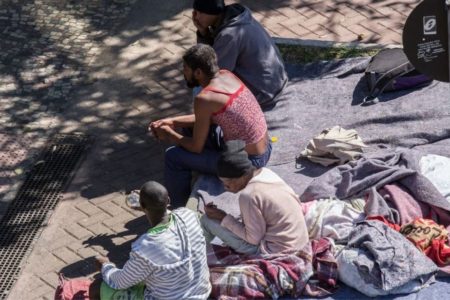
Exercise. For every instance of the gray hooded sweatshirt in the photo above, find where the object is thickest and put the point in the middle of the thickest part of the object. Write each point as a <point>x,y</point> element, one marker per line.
<point>244,47</point>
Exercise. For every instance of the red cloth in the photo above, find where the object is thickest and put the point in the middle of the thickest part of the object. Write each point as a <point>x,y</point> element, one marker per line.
<point>430,238</point>
<point>385,221</point>
<point>71,289</point>
<point>439,252</point>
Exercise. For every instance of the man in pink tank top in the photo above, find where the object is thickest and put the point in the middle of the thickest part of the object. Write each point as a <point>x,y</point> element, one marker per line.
<point>224,101</point>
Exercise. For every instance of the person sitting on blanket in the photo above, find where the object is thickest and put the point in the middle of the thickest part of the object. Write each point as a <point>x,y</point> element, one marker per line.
<point>224,101</point>
<point>170,259</point>
<point>272,217</point>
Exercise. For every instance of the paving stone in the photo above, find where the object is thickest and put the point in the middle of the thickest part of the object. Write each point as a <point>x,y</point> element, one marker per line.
<point>77,231</point>
<point>103,199</point>
<point>111,209</point>
<point>93,219</point>
<point>102,251</point>
<point>88,208</point>
<point>99,229</point>
<point>119,219</point>
<point>315,19</point>
<point>42,291</point>
<point>61,238</point>
<point>120,203</point>
<point>34,284</point>
<point>51,279</point>
<point>47,262</point>
<point>66,255</point>
<point>87,252</point>
<point>75,246</point>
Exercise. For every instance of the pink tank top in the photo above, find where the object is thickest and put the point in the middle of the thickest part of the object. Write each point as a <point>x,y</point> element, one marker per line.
<point>241,118</point>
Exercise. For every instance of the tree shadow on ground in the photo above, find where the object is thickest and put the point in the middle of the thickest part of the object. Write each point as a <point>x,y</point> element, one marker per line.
<point>54,76</point>
<point>335,19</point>
<point>48,86</point>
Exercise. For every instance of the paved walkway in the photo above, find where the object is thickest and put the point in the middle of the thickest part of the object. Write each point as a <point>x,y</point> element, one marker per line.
<point>107,69</point>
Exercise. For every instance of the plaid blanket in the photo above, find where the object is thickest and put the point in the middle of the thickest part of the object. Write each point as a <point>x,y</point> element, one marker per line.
<point>311,271</point>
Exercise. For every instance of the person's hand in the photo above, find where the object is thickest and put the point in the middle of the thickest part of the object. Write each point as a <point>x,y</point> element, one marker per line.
<point>152,128</point>
<point>164,133</point>
<point>214,213</point>
<point>99,261</point>
<point>162,122</point>
<point>155,125</point>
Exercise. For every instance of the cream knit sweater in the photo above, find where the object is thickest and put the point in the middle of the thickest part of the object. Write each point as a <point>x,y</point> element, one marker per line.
<point>272,216</point>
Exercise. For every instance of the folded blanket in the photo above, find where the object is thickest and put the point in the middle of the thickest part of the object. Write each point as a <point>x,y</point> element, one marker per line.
<point>334,145</point>
<point>311,271</point>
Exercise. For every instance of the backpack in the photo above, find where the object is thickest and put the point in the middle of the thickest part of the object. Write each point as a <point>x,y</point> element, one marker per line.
<point>72,289</point>
<point>390,70</point>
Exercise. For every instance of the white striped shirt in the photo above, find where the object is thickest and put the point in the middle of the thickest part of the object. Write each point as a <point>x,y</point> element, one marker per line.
<point>171,263</point>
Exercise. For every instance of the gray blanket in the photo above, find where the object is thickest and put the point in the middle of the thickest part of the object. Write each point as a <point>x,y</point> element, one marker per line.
<point>320,96</point>
<point>366,175</point>
<point>325,94</point>
<point>378,261</point>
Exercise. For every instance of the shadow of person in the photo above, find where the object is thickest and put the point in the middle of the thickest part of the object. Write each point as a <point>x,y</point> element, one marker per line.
<point>82,268</point>
<point>117,254</point>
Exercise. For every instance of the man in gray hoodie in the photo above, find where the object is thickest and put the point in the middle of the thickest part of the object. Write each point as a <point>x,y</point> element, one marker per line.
<point>242,46</point>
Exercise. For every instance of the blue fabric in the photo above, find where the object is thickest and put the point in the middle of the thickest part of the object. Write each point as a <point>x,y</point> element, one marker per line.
<point>261,160</point>
<point>179,164</point>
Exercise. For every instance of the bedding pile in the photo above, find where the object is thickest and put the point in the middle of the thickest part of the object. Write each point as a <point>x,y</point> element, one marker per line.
<point>385,213</point>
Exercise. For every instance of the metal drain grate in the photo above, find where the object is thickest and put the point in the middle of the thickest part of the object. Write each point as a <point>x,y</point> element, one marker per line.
<point>34,202</point>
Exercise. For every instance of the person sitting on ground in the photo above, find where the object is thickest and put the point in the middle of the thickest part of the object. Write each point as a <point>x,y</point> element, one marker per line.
<point>272,216</point>
<point>224,101</point>
<point>243,46</point>
<point>170,259</point>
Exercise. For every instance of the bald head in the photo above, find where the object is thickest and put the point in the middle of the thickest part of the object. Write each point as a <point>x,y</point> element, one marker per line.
<point>153,196</point>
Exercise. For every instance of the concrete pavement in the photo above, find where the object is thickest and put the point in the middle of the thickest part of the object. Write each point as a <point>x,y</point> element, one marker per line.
<point>107,69</point>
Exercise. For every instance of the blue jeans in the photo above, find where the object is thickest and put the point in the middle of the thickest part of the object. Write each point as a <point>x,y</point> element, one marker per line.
<point>261,160</point>
<point>179,164</point>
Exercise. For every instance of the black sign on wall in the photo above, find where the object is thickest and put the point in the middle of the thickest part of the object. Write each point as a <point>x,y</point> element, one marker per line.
<point>425,39</point>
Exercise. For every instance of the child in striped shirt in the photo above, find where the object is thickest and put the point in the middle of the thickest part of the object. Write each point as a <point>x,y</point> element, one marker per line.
<point>170,259</point>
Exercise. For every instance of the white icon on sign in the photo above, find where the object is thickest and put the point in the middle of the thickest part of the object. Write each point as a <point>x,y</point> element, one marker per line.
<point>429,25</point>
